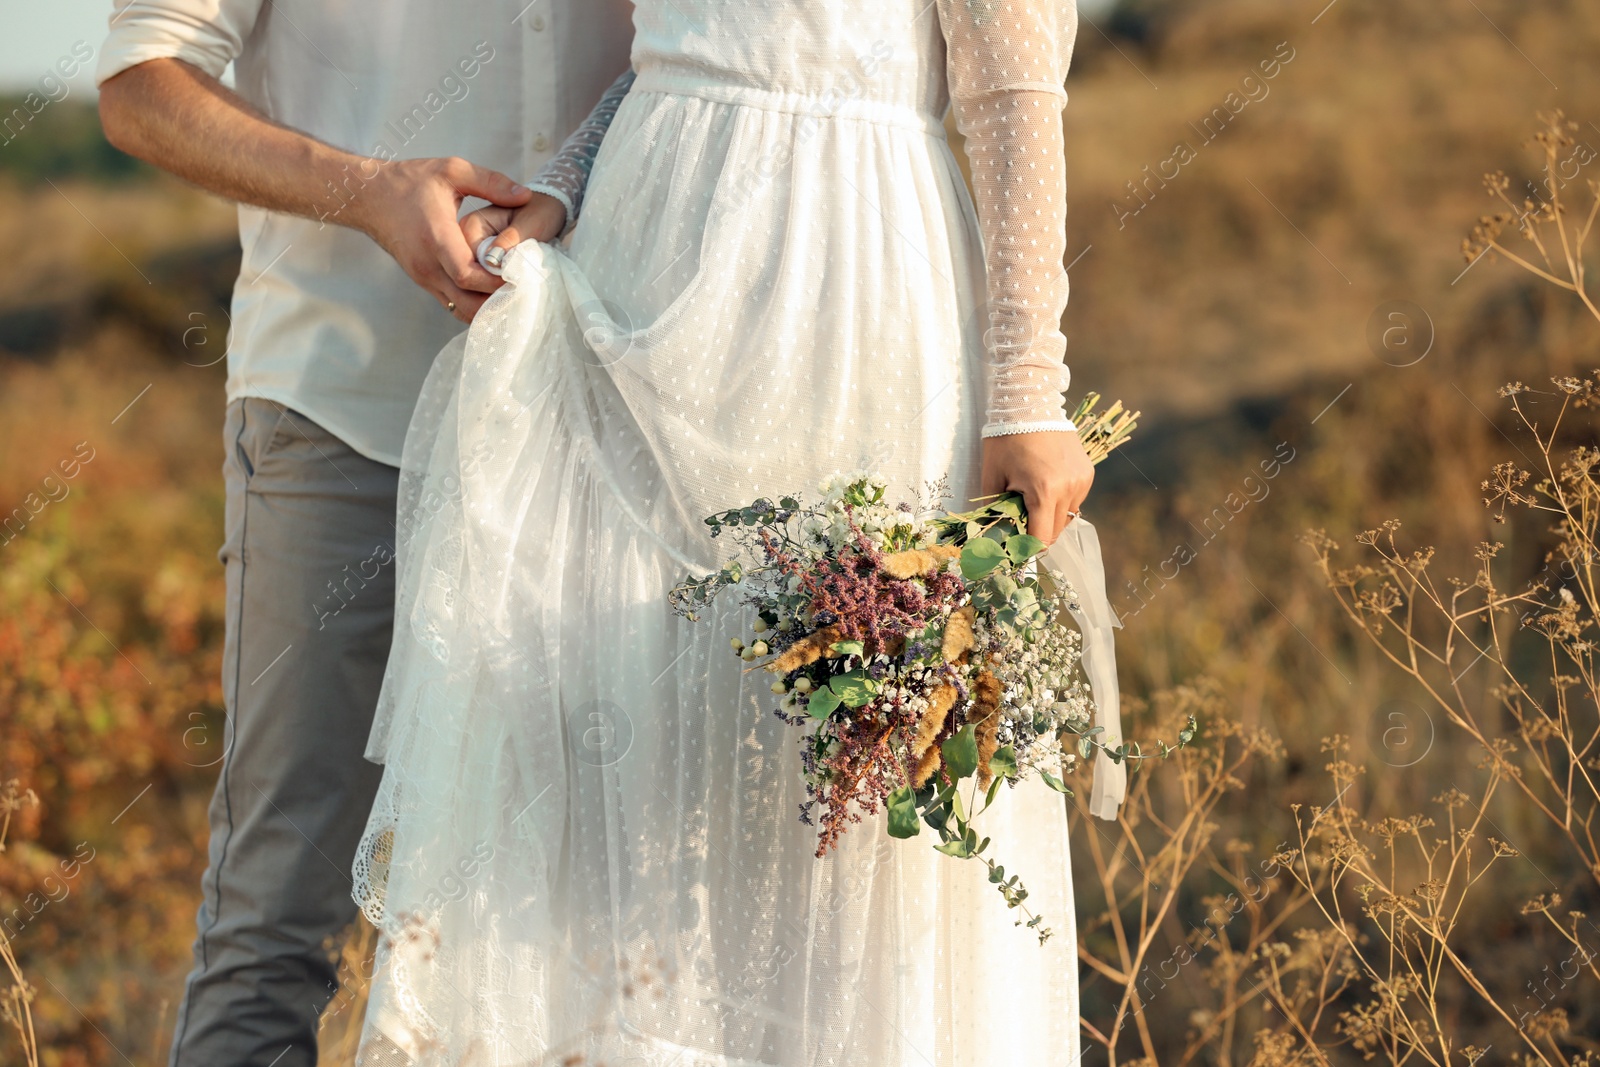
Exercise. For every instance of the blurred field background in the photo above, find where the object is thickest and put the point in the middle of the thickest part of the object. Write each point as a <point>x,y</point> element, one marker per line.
<point>1235,308</point>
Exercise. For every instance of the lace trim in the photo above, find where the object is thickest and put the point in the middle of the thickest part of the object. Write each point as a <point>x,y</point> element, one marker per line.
<point>566,175</point>
<point>1005,429</point>
<point>556,194</point>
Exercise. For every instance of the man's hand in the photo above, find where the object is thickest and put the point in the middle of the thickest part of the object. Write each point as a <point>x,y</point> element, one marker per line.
<point>540,219</point>
<point>1050,470</point>
<point>180,118</point>
<point>410,209</point>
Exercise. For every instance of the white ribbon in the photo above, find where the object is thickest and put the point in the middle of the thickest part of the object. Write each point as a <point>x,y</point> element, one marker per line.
<point>1076,557</point>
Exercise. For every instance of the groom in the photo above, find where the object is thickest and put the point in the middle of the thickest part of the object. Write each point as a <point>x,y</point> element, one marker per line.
<point>352,134</point>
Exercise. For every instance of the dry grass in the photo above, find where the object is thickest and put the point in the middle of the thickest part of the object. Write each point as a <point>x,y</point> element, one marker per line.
<point>1375,930</point>
<point>16,1002</point>
<point>110,698</point>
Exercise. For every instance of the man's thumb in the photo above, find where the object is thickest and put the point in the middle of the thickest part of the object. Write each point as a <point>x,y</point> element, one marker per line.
<point>491,185</point>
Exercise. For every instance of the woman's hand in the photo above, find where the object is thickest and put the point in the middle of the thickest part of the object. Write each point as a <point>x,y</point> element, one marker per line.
<point>1050,470</point>
<point>542,218</point>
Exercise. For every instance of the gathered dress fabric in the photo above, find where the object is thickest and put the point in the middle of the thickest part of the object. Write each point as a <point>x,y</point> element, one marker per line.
<point>587,846</point>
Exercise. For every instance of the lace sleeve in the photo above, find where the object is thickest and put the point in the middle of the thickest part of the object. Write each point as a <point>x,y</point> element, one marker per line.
<point>1007,60</point>
<point>567,173</point>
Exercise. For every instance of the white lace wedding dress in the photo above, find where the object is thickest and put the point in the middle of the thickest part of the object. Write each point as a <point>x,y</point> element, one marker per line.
<point>587,847</point>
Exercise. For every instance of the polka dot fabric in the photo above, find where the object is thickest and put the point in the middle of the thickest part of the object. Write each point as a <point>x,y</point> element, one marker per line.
<point>586,847</point>
<point>567,173</point>
<point>1007,62</point>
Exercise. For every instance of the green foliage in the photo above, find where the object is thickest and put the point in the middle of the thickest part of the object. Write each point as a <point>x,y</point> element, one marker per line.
<point>62,140</point>
<point>1020,548</point>
<point>822,703</point>
<point>979,556</point>
<point>854,688</point>
<point>961,751</point>
<point>1003,764</point>
<point>903,813</point>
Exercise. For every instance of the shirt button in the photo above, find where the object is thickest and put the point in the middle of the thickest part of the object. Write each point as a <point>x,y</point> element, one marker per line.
<point>538,24</point>
<point>540,143</point>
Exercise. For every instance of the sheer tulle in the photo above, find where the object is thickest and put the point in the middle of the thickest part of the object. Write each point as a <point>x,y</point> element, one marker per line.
<point>1007,62</point>
<point>567,174</point>
<point>586,843</point>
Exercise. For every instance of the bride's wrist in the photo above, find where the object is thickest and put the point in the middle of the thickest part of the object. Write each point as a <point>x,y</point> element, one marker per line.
<point>1012,429</point>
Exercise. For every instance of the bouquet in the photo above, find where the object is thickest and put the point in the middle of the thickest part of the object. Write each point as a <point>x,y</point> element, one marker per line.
<point>918,654</point>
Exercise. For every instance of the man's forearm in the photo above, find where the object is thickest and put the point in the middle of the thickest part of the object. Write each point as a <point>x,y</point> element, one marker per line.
<point>185,121</point>
<point>181,119</point>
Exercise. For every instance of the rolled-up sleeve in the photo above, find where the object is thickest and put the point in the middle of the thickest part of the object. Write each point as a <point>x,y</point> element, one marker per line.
<point>206,33</point>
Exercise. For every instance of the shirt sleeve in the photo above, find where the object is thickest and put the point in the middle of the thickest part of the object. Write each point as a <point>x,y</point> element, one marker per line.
<point>208,34</point>
<point>566,175</point>
<point>1007,62</point>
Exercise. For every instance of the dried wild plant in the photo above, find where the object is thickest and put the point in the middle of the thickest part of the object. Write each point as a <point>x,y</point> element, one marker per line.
<point>1163,845</point>
<point>1542,219</point>
<point>1361,939</point>
<point>1514,671</point>
<point>16,1001</point>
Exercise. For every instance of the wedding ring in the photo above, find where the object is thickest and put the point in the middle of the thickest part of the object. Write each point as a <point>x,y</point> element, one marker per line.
<point>482,252</point>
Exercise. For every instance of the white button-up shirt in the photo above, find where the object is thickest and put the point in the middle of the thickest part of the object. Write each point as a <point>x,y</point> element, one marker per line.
<point>323,320</point>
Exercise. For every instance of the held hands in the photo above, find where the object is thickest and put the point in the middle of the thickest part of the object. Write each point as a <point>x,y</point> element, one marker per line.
<point>540,219</point>
<point>413,218</point>
<point>1050,470</point>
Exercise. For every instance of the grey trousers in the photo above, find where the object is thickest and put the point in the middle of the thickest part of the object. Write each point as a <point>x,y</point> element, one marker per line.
<point>309,554</point>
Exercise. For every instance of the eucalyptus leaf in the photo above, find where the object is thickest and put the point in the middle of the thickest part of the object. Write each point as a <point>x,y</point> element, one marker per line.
<point>1055,783</point>
<point>903,813</point>
<point>822,703</point>
<point>1023,547</point>
<point>854,689</point>
<point>961,752</point>
<point>1003,764</point>
<point>979,556</point>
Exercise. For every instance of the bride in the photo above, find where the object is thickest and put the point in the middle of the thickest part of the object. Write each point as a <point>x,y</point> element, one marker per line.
<point>586,849</point>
